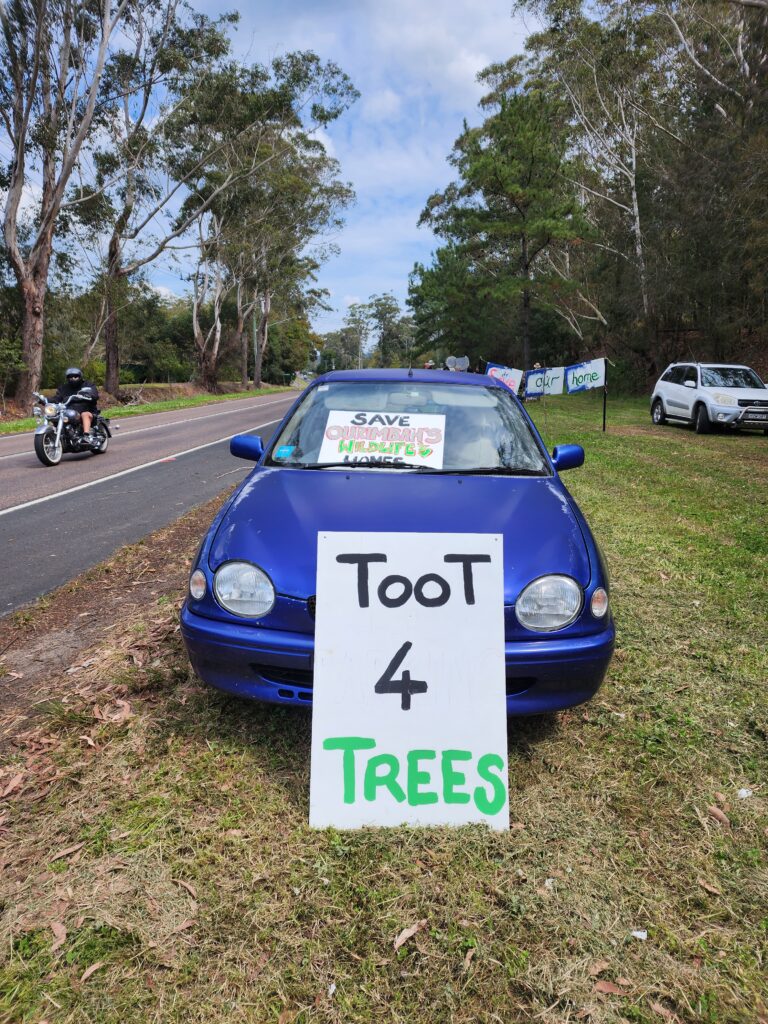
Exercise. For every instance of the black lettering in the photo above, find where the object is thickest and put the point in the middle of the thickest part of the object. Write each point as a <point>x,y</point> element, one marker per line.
<point>362,562</point>
<point>466,562</point>
<point>405,686</point>
<point>376,418</point>
<point>394,602</point>
<point>432,602</point>
<point>359,419</point>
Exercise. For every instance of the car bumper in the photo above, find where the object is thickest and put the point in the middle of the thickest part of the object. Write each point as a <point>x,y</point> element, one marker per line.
<point>276,666</point>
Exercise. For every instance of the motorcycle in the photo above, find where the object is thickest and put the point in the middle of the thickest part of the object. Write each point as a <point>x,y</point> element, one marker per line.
<point>60,429</point>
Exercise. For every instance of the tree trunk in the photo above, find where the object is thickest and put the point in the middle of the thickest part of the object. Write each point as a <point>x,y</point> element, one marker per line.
<point>208,370</point>
<point>111,346</point>
<point>241,339</point>
<point>525,307</point>
<point>262,339</point>
<point>32,326</point>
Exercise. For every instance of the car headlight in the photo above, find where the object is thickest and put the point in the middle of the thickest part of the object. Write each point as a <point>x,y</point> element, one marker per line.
<point>50,410</point>
<point>243,589</point>
<point>549,603</point>
<point>724,399</point>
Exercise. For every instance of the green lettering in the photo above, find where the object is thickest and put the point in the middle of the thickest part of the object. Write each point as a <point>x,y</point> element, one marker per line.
<point>452,778</point>
<point>349,744</point>
<point>346,446</point>
<point>494,803</point>
<point>417,778</point>
<point>388,778</point>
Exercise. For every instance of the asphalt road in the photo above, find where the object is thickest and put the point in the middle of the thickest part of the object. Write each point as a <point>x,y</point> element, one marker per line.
<point>56,522</point>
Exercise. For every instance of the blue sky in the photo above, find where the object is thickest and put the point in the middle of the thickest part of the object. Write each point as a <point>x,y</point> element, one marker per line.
<point>415,66</point>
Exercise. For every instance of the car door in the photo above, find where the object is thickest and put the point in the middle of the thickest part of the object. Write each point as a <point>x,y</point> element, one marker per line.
<point>674,395</point>
<point>689,389</point>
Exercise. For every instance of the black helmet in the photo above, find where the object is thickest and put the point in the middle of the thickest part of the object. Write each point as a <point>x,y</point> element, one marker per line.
<point>74,374</point>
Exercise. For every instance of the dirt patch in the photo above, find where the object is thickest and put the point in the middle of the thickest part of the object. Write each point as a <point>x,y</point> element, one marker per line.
<point>43,647</point>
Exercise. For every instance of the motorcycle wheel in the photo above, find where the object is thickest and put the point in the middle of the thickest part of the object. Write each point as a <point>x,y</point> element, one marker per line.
<point>46,448</point>
<point>103,440</point>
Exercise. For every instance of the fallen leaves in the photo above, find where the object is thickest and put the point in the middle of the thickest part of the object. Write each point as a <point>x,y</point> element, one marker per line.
<point>91,970</point>
<point>13,785</point>
<point>608,988</point>
<point>59,934</point>
<point>67,852</point>
<point>709,887</point>
<point>719,816</point>
<point>598,967</point>
<point>468,958</point>
<point>666,1013</point>
<point>408,933</point>
<point>186,885</point>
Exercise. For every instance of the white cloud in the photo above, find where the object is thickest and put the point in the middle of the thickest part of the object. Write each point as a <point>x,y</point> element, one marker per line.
<point>382,105</point>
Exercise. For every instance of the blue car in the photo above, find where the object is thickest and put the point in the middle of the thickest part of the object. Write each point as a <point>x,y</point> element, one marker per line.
<point>399,450</point>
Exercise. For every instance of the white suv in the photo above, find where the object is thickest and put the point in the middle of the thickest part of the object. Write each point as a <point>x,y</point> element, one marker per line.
<point>711,394</point>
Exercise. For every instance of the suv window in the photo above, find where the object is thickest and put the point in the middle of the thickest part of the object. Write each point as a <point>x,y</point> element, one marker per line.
<point>691,374</point>
<point>674,375</point>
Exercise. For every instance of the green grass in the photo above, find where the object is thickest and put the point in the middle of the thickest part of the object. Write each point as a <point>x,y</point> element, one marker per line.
<point>611,802</point>
<point>121,411</point>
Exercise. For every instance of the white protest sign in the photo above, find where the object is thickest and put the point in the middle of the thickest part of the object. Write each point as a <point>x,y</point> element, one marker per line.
<point>507,375</point>
<point>414,438</point>
<point>409,720</point>
<point>546,381</point>
<point>585,376</point>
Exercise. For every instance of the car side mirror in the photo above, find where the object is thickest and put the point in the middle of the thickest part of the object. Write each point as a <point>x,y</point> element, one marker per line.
<point>689,383</point>
<point>567,456</point>
<point>247,446</point>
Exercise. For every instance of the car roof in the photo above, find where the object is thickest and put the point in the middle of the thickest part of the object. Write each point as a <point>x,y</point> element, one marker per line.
<point>402,375</point>
<point>691,362</point>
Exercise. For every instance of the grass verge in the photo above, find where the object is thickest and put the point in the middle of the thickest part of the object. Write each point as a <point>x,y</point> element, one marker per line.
<point>19,426</point>
<point>158,864</point>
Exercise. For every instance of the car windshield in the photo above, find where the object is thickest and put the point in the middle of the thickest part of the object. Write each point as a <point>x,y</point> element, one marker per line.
<point>439,428</point>
<point>729,377</point>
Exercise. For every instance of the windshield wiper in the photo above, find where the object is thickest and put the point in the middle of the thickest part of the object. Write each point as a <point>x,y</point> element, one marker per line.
<point>495,471</point>
<point>354,465</point>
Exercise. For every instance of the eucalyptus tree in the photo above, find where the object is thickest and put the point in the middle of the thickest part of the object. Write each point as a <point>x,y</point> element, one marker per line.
<point>511,203</point>
<point>53,58</point>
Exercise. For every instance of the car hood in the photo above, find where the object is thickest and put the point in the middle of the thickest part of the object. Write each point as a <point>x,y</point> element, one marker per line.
<point>274,520</point>
<point>748,394</point>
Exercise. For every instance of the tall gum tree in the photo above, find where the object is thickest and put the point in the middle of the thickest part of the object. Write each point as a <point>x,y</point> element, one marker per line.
<point>53,57</point>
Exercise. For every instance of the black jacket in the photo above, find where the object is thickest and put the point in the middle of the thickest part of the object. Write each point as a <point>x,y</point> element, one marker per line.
<point>67,389</point>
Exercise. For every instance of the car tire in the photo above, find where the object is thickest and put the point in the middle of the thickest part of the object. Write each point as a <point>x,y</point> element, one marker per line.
<point>657,413</point>
<point>701,422</point>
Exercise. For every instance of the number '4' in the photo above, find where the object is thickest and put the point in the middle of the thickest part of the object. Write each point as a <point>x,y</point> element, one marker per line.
<point>405,686</point>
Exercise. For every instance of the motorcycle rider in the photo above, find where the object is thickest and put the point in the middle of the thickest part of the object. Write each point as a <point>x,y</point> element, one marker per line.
<point>87,408</point>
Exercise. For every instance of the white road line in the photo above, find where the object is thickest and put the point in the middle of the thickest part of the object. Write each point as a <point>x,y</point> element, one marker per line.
<point>173,423</point>
<point>125,472</point>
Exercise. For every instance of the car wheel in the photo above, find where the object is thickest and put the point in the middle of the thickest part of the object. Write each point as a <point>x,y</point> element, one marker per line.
<point>657,413</point>
<point>701,420</point>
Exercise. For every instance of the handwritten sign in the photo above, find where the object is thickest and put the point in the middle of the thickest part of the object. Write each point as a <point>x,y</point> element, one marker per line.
<point>409,711</point>
<point>416,439</point>
<point>585,376</point>
<point>546,381</point>
<point>507,375</point>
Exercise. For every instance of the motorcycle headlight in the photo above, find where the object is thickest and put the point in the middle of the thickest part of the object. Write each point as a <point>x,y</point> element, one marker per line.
<point>243,589</point>
<point>549,603</point>
<point>50,410</point>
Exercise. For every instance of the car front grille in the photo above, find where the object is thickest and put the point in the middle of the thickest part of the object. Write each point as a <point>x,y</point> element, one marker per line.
<point>760,403</point>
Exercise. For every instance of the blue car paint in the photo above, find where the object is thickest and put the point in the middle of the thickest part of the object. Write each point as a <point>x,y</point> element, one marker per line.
<point>273,519</point>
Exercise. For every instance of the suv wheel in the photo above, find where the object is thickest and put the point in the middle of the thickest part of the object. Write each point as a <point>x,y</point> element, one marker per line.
<point>701,420</point>
<point>657,413</point>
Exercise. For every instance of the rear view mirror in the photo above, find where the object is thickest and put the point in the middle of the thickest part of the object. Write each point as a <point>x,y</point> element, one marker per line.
<point>247,446</point>
<point>689,383</point>
<point>567,456</point>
